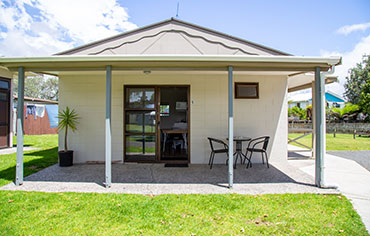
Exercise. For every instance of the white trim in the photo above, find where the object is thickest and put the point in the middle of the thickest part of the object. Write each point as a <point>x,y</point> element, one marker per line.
<point>179,58</point>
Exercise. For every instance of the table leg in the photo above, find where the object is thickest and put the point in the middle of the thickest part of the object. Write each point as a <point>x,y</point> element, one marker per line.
<point>236,159</point>
<point>164,142</point>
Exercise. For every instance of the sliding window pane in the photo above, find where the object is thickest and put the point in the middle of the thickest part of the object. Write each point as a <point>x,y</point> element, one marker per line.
<point>140,122</point>
<point>4,84</point>
<point>140,145</point>
<point>140,97</point>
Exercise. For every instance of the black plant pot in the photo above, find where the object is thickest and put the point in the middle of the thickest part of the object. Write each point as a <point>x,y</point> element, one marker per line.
<point>65,158</point>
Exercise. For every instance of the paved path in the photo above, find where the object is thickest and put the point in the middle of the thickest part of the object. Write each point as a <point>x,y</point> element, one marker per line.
<point>353,181</point>
<point>156,179</point>
<point>14,150</point>
<point>361,157</point>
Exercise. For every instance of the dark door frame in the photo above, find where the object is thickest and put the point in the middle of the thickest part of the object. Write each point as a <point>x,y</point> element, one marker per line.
<point>157,123</point>
<point>8,91</point>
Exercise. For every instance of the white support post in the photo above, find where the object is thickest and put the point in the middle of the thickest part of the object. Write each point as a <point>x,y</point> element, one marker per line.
<point>320,131</point>
<point>313,117</point>
<point>108,130</point>
<point>231,126</point>
<point>11,116</point>
<point>20,112</point>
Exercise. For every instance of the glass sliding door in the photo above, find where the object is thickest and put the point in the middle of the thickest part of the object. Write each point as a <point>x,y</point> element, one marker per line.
<point>156,123</point>
<point>140,124</point>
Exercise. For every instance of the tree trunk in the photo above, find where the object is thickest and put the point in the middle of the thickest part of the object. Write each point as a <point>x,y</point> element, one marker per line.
<point>65,139</point>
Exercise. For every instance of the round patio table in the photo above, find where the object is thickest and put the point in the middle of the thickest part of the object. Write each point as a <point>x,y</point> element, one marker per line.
<point>239,148</point>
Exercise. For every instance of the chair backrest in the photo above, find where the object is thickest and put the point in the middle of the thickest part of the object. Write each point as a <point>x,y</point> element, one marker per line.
<point>214,140</point>
<point>266,142</point>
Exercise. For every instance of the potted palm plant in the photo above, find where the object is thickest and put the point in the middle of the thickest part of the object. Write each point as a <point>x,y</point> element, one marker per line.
<point>67,119</point>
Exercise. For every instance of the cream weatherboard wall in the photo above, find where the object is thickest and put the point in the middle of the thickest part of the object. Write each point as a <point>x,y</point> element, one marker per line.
<point>85,92</point>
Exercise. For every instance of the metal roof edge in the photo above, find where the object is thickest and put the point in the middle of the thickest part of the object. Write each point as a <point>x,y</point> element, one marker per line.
<point>335,95</point>
<point>331,61</point>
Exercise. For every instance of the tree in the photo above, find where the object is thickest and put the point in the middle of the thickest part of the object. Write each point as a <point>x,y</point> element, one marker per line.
<point>299,112</point>
<point>67,119</point>
<point>44,87</point>
<point>357,87</point>
<point>365,96</point>
<point>347,112</point>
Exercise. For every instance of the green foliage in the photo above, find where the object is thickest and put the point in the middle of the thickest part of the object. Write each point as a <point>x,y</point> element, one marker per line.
<point>365,97</point>
<point>299,112</point>
<point>39,87</point>
<point>349,111</point>
<point>290,112</point>
<point>36,213</point>
<point>357,87</point>
<point>67,119</point>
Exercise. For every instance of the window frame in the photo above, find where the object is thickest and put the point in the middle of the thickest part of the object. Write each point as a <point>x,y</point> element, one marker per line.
<point>238,96</point>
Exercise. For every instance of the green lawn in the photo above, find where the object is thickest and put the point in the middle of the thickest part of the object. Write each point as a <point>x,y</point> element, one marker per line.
<point>33,160</point>
<point>37,213</point>
<point>342,142</point>
<point>133,149</point>
<point>139,128</point>
<point>32,213</point>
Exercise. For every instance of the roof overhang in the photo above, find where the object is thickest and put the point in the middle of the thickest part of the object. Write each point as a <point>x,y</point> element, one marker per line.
<point>56,64</point>
<point>30,99</point>
<point>304,81</point>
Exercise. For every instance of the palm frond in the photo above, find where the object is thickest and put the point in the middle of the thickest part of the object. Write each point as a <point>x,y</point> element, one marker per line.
<point>68,119</point>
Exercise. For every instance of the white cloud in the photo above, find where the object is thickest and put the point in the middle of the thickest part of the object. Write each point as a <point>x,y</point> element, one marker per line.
<point>44,27</point>
<point>347,29</point>
<point>349,60</point>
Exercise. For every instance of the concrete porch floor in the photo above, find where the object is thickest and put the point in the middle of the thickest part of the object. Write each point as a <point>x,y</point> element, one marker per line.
<point>157,179</point>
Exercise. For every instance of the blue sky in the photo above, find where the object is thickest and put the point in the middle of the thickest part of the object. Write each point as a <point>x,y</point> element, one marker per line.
<point>303,28</point>
<point>296,27</point>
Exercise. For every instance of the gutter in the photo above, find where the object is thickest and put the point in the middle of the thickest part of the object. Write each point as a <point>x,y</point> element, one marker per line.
<point>331,61</point>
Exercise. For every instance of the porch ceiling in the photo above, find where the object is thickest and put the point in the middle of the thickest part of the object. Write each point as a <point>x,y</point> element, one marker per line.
<point>57,64</point>
<point>304,81</point>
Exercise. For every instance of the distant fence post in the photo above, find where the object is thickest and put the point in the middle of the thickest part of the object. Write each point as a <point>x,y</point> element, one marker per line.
<point>335,130</point>
<point>354,134</point>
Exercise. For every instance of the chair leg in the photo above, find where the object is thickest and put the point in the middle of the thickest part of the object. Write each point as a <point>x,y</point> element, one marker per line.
<point>263,162</point>
<point>245,158</point>
<point>213,157</point>
<point>267,160</point>
<point>250,160</point>
<point>210,157</point>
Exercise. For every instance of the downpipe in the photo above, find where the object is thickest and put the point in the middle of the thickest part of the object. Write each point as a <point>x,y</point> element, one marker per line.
<point>322,160</point>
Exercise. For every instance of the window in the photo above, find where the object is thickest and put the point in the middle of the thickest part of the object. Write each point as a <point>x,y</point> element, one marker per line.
<point>140,98</point>
<point>165,110</point>
<point>4,84</point>
<point>246,90</point>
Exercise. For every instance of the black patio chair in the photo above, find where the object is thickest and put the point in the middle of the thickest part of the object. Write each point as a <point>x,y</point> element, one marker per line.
<point>224,149</point>
<point>257,145</point>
